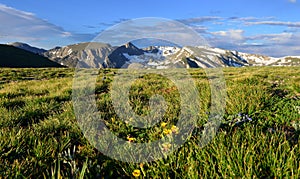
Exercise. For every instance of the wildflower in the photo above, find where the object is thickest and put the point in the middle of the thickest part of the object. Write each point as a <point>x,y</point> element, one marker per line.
<point>80,148</point>
<point>129,120</point>
<point>175,129</point>
<point>167,131</point>
<point>166,146</point>
<point>248,118</point>
<point>141,165</point>
<point>163,124</point>
<point>130,139</point>
<point>136,173</point>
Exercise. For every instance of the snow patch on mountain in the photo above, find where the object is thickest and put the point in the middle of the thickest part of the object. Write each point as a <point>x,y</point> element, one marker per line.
<point>167,51</point>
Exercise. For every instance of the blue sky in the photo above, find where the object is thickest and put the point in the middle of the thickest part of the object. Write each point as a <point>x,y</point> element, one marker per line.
<point>257,26</point>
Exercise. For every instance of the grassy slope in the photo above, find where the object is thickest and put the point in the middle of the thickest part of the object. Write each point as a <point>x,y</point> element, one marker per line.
<point>14,57</point>
<point>39,136</point>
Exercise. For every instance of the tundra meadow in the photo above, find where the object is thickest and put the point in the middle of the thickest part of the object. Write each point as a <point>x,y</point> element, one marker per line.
<point>258,136</point>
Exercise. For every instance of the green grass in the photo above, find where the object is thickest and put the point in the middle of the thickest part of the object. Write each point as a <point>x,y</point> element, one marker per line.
<point>40,137</point>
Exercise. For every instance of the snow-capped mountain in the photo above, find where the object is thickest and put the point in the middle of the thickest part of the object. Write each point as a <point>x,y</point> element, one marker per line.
<point>98,55</point>
<point>86,54</point>
<point>261,60</point>
<point>118,58</point>
<point>152,57</point>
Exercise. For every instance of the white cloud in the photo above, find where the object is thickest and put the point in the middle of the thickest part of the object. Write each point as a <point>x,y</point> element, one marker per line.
<point>17,13</point>
<point>276,44</point>
<point>281,43</point>
<point>293,1</point>
<point>24,26</point>
<point>232,35</point>
<point>197,20</point>
<point>220,33</point>
<point>280,38</point>
<point>275,23</point>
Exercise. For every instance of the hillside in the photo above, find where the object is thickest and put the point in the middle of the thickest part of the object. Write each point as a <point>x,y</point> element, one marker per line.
<point>27,47</point>
<point>15,57</point>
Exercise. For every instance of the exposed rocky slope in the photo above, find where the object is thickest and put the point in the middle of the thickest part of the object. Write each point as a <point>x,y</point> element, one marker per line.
<point>86,54</point>
<point>98,55</point>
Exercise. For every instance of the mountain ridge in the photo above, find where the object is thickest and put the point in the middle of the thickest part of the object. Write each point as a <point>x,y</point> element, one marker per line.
<point>14,57</point>
<point>103,55</point>
<point>162,57</point>
<point>28,47</point>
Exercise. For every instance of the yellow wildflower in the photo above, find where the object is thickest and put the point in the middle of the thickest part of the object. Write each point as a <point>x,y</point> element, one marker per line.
<point>167,131</point>
<point>175,129</point>
<point>163,124</point>
<point>141,165</point>
<point>166,146</point>
<point>130,139</point>
<point>80,148</point>
<point>112,119</point>
<point>136,173</point>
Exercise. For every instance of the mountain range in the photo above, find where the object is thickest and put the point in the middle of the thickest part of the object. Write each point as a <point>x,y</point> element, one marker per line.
<point>102,55</point>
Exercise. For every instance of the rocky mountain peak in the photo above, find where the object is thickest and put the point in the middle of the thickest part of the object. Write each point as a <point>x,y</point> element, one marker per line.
<point>98,55</point>
<point>130,45</point>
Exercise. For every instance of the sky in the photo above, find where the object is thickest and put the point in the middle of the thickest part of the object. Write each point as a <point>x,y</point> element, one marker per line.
<point>268,27</point>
